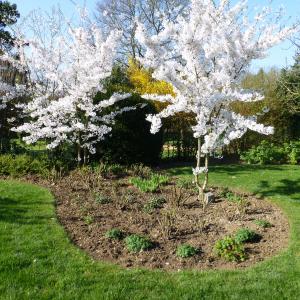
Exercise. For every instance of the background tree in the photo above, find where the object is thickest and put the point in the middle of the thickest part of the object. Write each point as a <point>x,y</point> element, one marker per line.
<point>288,92</point>
<point>12,77</point>
<point>122,14</point>
<point>8,16</point>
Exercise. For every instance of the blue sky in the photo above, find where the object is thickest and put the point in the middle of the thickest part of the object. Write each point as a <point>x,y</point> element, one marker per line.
<point>279,56</point>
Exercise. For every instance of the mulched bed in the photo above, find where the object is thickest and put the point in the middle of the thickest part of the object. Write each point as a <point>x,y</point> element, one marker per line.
<point>87,221</point>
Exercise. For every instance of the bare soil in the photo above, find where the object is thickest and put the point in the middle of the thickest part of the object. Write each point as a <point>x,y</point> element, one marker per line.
<point>87,221</point>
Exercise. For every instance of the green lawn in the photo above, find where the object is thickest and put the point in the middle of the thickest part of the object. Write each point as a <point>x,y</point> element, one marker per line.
<point>37,261</point>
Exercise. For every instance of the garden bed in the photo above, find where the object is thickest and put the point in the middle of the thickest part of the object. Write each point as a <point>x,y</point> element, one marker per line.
<point>89,206</point>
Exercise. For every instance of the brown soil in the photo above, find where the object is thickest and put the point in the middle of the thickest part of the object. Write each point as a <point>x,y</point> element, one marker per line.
<point>87,221</point>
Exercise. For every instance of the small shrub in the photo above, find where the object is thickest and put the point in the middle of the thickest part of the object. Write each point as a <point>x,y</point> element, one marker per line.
<point>166,222</point>
<point>245,235</point>
<point>230,249</point>
<point>136,243</point>
<point>116,170</point>
<point>149,185</point>
<point>154,203</point>
<point>114,234</point>
<point>101,199</point>
<point>233,197</point>
<point>88,220</point>
<point>141,171</point>
<point>185,183</point>
<point>185,251</point>
<point>129,198</point>
<point>109,170</point>
<point>240,201</point>
<point>263,223</point>
<point>178,197</point>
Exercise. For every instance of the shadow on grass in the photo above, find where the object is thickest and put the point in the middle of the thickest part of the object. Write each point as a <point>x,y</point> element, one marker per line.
<point>267,180</point>
<point>285,187</point>
<point>14,212</point>
<point>226,169</point>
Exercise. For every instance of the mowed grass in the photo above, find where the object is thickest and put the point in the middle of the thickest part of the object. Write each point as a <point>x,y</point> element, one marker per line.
<point>37,260</point>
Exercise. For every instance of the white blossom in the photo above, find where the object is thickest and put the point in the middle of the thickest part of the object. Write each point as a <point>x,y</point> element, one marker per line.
<point>197,171</point>
<point>204,55</point>
<point>66,74</point>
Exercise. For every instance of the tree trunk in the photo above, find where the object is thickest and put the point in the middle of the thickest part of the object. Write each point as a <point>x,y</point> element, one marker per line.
<point>201,188</point>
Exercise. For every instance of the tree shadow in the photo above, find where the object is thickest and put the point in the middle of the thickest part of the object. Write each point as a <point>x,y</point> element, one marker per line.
<point>242,169</point>
<point>233,170</point>
<point>285,187</point>
<point>14,212</point>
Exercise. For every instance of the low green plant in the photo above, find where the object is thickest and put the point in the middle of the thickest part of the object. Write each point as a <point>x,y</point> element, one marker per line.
<point>115,234</point>
<point>101,199</point>
<point>230,249</point>
<point>154,203</point>
<point>88,220</point>
<point>149,185</point>
<point>262,223</point>
<point>245,235</point>
<point>185,251</point>
<point>136,243</point>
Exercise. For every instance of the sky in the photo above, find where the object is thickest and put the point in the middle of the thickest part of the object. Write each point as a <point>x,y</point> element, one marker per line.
<point>280,56</point>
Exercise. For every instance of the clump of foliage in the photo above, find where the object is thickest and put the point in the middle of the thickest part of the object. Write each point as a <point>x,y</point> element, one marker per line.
<point>141,170</point>
<point>230,249</point>
<point>185,251</point>
<point>130,141</point>
<point>262,223</point>
<point>185,183</point>
<point>101,199</point>
<point>136,243</point>
<point>115,234</point>
<point>233,197</point>
<point>292,151</point>
<point>20,165</point>
<point>269,153</point>
<point>154,203</point>
<point>245,235</point>
<point>88,220</point>
<point>109,170</point>
<point>149,185</point>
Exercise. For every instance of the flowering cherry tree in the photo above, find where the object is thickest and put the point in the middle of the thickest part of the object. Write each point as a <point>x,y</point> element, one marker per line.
<point>66,74</point>
<point>204,55</point>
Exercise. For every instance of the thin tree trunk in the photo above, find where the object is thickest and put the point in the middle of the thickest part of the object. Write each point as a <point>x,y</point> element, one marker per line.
<point>85,156</point>
<point>197,176</point>
<point>79,150</point>
<point>206,174</point>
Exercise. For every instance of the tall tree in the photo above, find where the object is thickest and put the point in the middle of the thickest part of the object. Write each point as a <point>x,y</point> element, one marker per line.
<point>204,56</point>
<point>8,16</point>
<point>288,91</point>
<point>122,15</point>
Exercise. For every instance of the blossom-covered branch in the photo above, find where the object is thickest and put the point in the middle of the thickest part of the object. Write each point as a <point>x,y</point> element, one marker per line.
<point>204,55</point>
